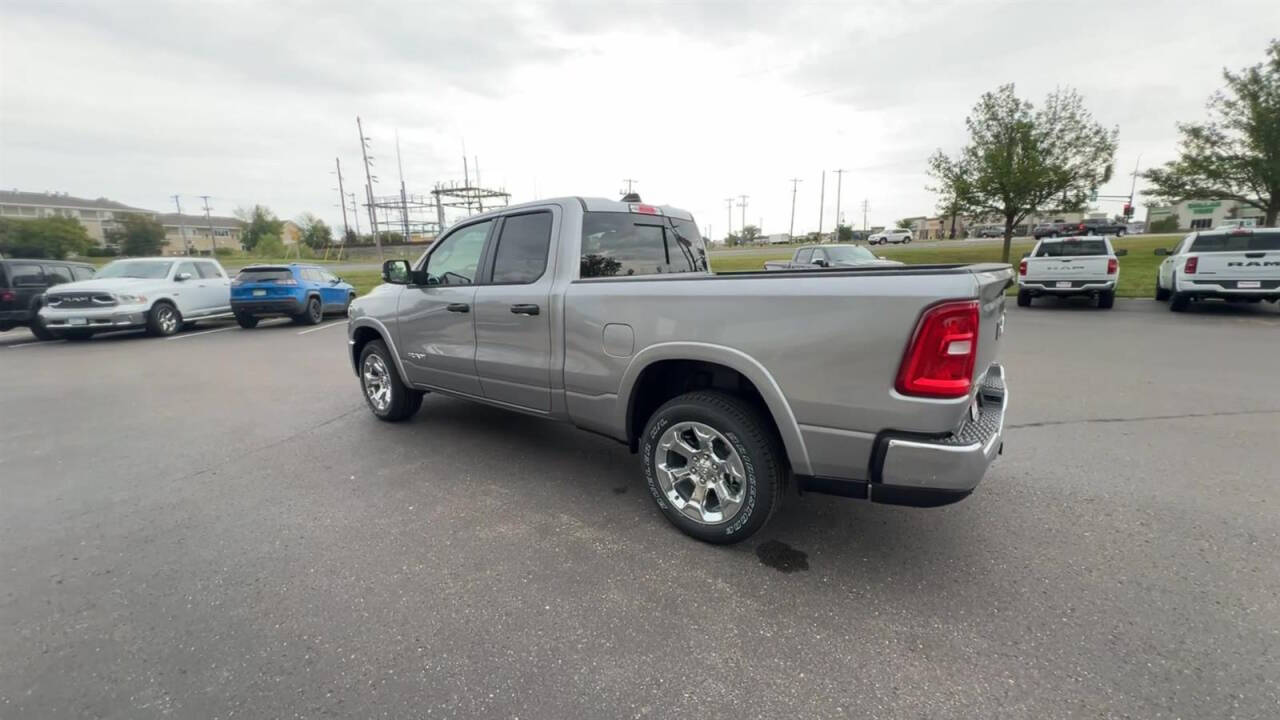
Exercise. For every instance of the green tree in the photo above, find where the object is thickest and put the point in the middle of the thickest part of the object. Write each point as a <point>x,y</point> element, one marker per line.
<point>1022,160</point>
<point>137,234</point>
<point>1235,155</point>
<point>259,223</point>
<point>844,233</point>
<point>269,246</point>
<point>315,232</point>
<point>49,237</point>
<point>750,234</point>
<point>905,224</point>
<point>1167,224</point>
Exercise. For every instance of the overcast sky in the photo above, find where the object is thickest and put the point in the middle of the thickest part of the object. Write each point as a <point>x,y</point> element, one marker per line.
<point>698,101</point>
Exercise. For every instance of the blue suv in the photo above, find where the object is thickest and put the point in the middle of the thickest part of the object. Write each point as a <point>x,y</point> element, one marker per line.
<point>302,292</point>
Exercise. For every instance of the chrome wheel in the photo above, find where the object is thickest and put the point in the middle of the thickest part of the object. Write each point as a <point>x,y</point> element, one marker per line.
<point>700,473</point>
<point>377,382</point>
<point>167,319</point>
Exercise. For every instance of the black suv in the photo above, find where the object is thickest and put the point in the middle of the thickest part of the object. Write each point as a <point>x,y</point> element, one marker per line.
<point>22,286</point>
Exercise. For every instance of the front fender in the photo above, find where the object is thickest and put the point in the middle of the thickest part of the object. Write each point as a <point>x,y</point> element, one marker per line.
<point>777,403</point>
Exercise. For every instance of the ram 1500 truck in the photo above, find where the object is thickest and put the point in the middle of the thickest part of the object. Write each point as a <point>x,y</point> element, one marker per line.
<point>1240,265</point>
<point>878,383</point>
<point>812,257</point>
<point>1070,266</point>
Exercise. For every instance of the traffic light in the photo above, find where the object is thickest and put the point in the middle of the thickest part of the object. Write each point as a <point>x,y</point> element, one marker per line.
<point>1128,210</point>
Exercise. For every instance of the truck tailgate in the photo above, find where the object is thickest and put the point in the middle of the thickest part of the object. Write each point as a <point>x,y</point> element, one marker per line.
<point>991,299</point>
<point>1066,268</point>
<point>1258,265</point>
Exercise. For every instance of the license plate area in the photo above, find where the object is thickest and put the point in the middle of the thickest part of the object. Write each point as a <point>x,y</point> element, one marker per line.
<point>77,321</point>
<point>259,293</point>
<point>1063,284</point>
<point>1249,284</point>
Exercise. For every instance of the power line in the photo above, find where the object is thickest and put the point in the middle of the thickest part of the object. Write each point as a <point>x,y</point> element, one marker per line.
<point>791,233</point>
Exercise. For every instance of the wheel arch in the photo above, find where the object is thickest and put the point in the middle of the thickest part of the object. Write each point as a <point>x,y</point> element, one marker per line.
<point>661,372</point>
<point>366,330</point>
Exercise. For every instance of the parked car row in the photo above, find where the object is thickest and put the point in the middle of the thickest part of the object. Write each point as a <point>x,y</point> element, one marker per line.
<point>1091,226</point>
<point>69,300</point>
<point>811,257</point>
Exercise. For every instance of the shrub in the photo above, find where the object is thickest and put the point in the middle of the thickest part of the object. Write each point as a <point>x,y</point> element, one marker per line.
<point>101,252</point>
<point>224,252</point>
<point>1164,225</point>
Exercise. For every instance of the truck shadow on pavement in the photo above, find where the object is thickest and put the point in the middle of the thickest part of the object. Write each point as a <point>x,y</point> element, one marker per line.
<point>557,469</point>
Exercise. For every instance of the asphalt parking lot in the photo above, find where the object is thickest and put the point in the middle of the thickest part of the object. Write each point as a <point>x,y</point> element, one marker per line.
<point>213,525</point>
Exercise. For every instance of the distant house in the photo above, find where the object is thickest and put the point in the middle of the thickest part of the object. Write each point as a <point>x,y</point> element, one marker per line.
<point>196,234</point>
<point>290,233</point>
<point>97,216</point>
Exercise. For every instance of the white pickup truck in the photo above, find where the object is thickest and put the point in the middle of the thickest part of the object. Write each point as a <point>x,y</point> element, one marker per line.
<point>1240,265</point>
<point>1070,266</point>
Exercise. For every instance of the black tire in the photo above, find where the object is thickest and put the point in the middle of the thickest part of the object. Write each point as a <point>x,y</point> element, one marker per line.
<point>76,335</point>
<point>1178,302</point>
<point>247,322</point>
<point>1161,294</point>
<point>312,314</point>
<point>402,401</point>
<point>38,328</point>
<point>163,319</point>
<point>1107,300</point>
<point>745,430</point>
<point>1024,298</point>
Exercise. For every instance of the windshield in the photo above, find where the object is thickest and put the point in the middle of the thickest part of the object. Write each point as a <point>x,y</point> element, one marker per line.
<point>147,269</point>
<point>849,253</point>
<point>1072,248</point>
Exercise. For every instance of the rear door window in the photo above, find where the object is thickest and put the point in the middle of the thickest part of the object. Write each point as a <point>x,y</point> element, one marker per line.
<point>188,268</point>
<point>616,244</point>
<point>804,256</point>
<point>1251,242</point>
<point>81,273</point>
<point>208,271</point>
<point>57,274</point>
<point>523,244</point>
<point>25,275</point>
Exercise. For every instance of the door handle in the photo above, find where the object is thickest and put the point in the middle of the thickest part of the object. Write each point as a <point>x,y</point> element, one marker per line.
<point>525,309</point>
<point>458,307</point>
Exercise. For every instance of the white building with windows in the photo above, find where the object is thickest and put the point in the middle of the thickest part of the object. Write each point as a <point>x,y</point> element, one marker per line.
<point>1204,214</point>
<point>97,216</point>
<point>197,234</point>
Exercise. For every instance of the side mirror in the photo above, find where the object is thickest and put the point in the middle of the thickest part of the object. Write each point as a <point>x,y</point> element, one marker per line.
<point>1122,252</point>
<point>182,277</point>
<point>820,262</point>
<point>396,272</point>
<point>1162,251</point>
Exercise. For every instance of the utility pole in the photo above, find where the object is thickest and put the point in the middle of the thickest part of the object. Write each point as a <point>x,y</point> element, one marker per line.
<point>743,204</point>
<point>182,228</point>
<point>342,201</point>
<point>791,233</point>
<point>839,178</point>
<point>368,188</point>
<point>866,205</point>
<point>213,240</point>
<point>729,202</point>
<point>629,183</point>
<point>822,203</point>
<point>404,200</point>
<point>1134,185</point>
<point>355,213</point>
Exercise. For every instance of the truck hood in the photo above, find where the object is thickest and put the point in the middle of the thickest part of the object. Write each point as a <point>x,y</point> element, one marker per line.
<point>109,285</point>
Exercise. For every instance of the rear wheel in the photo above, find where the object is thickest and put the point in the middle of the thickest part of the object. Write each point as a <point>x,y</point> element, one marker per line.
<point>1024,298</point>
<point>246,321</point>
<point>1107,300</point>
<point>312,314</point>
<point>163,319</point>
<point>388,397</point>
<point>713,464</point>
<point>1178,302</point>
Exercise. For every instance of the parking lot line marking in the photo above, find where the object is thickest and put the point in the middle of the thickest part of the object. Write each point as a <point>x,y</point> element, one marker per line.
<point>322,327</point>
<point>202,332</point>
<point>37,342</point>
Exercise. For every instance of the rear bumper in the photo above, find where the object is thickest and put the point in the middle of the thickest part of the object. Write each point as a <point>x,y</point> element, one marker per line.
<point>16,317</point>
<point>924,471</point>
<point>265,306</point>
<point>1049,287</point>
<point>1267,289</point>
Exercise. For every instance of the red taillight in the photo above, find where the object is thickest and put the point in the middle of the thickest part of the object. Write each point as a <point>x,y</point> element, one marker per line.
<point>645,209</point>
<point>1190,267</point>
<point>1112,266</point>
<point>7,296</point>
<point>939,361</point>
<point>1022,268</point>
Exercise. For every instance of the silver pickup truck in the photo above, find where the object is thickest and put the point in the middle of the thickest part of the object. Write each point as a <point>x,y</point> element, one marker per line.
<point>877,383</point>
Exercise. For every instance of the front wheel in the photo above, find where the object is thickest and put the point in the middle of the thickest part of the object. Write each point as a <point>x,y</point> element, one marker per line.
<point>388,397</point>
<point>713,464</point>
<point>39,330</point>
<point>163,319</point>
<point>312,314</point>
